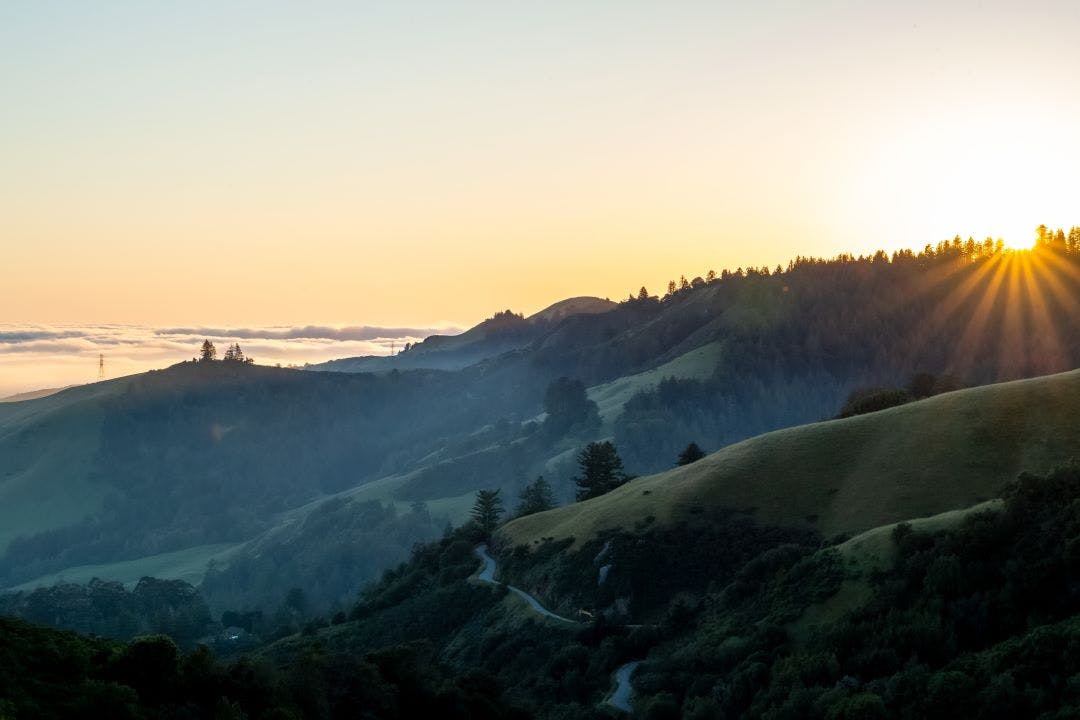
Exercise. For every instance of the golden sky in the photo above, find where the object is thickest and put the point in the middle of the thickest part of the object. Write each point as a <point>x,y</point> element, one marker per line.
<point>432,162</point>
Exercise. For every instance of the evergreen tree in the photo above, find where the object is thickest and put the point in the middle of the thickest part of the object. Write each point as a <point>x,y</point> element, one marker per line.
<point>487,510</point>
<point>601,470</point>
<point>536,497</point>
<point>208,351</point>
<point>691,454</point>
<point>235,354</point>
<point>643,294</point>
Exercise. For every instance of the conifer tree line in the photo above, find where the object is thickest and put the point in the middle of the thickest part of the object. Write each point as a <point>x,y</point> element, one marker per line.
<point>1047,240</point>
<point>600,470</point>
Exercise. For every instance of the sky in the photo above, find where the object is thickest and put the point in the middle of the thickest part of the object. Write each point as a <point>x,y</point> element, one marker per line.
<point>423,164</point>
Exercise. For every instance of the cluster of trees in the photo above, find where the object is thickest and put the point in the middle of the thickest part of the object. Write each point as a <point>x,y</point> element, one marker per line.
<point>487,512</point>
<point>101,607</point>
<point>54,675</point>
<point>600,471</point>
<point>921,386</point>
<point>208,353</point>
<point>537,496</point>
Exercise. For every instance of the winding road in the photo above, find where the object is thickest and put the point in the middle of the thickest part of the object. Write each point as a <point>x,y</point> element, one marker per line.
<point>622,696</point>
<point>487,575</point>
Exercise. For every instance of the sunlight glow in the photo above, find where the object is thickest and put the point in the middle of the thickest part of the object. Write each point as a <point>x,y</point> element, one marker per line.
<point>1020,244</point>
<point>983,173</point>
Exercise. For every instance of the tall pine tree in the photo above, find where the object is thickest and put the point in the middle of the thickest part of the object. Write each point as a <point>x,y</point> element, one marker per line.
<point>487,510</point>
<point>601,470</point>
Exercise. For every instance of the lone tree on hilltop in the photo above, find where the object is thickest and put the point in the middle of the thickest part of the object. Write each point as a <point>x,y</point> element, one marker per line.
<point>601,470</point>
<point>691,454</point>
<point>208,352</point>
<point>487,510</point>
<point>536,497</point>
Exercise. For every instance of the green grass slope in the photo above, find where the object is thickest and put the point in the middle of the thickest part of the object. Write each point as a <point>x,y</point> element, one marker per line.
<point>188,565</point>
<point>611,397</point>
<point>43,483</point>
<point>848,476</point>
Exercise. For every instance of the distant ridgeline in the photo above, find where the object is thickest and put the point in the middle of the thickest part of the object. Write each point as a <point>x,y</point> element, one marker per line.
<point>209,455</point>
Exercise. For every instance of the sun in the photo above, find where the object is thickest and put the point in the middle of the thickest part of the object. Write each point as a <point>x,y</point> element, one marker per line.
<point>1021,244</point>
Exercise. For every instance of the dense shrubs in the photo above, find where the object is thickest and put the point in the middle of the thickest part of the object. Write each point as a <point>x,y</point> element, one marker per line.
<point>634,576</point>
<point>979,621</point>
<point>47,674</point>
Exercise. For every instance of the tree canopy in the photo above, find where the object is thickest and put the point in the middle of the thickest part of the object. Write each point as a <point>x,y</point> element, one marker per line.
<point>601,470</point>
<point>536,497</point>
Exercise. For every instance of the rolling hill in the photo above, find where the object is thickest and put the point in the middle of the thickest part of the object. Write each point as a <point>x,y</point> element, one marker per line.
<point>47,448</point>
<point>502,333</point>
<point>182,462</point>
<point>33,394</point>
<point>848,476</point>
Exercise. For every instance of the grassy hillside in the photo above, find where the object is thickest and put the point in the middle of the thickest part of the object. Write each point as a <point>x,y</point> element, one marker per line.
<point>611,397</point>
<point>188,565</point>
<point>46,447</point>
<point>847,476</point>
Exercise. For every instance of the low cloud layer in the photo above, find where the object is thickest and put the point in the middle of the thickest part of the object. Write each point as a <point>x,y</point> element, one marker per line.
<point>309,332</point>
<point>39,356</point>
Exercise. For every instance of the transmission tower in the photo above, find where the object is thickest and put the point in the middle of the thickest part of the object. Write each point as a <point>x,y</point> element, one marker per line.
<point>101,366</point>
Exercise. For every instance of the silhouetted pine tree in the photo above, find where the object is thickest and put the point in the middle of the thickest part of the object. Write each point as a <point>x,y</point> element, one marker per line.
<point>601,470</point>
<point>691,454</point>
<point>487,510</point>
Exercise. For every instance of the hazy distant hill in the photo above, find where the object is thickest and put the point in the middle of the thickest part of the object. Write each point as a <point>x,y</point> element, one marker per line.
<point>33,394</point>
<point>502,333</point>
